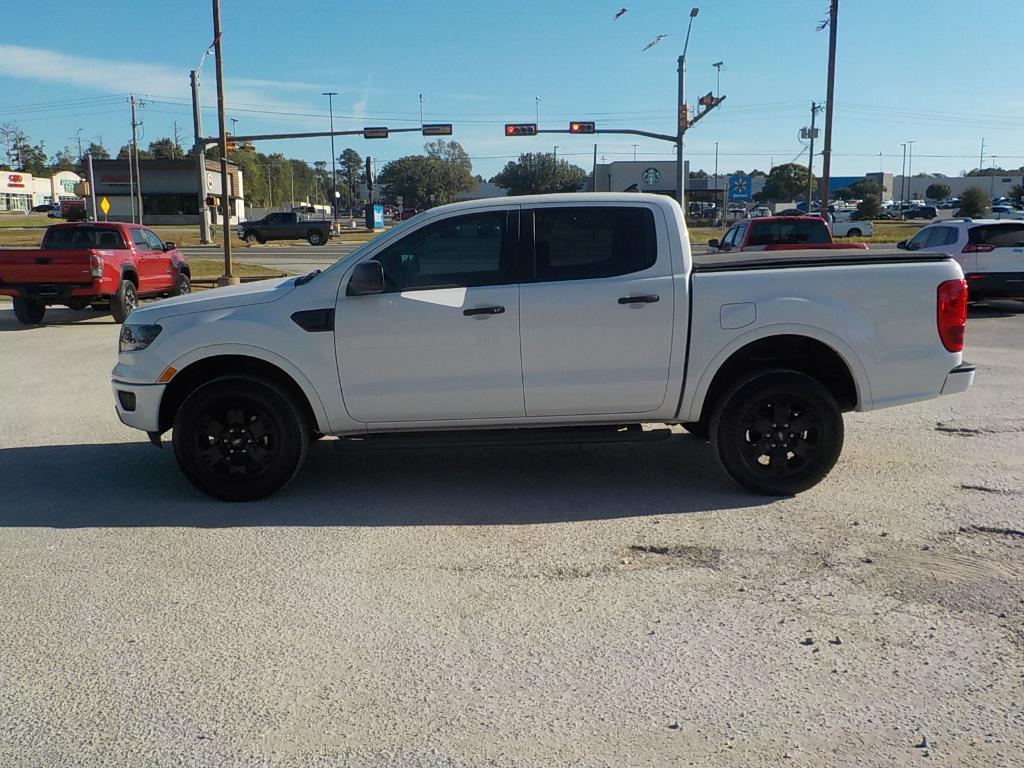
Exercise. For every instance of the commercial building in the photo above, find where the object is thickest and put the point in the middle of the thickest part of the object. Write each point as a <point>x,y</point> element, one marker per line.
<point>21,191</point>
<point>172,190</point>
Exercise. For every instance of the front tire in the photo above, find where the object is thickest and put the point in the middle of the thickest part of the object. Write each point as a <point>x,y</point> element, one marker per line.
<point>252,238</point>
<point>183,287</point>
<point>29,311</point>
<point>240,439</point>
<point>124,301</point>
<point>777,432</point>
<point>315,238</point>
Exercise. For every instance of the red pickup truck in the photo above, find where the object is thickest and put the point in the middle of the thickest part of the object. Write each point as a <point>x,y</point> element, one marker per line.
<point>779,233</point>
<point>99,264</point>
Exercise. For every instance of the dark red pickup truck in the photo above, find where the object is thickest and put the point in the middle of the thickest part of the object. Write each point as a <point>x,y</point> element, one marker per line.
<point>97,264</point>
<point>779,233</point>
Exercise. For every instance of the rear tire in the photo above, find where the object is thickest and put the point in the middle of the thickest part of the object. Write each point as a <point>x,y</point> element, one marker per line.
<point>124,301</point>
<point>240,438</point>
<point>315,238</point>
<point>854,233</point>
<point>777,432</point>
<point>29,311</point>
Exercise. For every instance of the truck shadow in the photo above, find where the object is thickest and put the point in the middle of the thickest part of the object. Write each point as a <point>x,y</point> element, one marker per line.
<point>55,316</point>
<point>994,309</point>
<point>134,485</point>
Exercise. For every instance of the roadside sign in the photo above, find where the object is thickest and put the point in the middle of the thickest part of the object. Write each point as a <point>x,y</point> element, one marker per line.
<point>739,188</point>
<point>105,206</point>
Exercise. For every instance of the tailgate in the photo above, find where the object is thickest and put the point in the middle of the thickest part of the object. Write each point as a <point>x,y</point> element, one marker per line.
<point>20,267</point>
<point>1001,260</point>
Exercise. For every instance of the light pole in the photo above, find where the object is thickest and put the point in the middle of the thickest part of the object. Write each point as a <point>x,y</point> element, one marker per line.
<point>903,182</point>
<point>992,178</point>
<point>684,118</point>
<point>910,171</point>
<point>718,77</point>
<point>334,174</point>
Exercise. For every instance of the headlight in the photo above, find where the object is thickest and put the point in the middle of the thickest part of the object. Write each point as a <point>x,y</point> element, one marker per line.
<point>136,337</point>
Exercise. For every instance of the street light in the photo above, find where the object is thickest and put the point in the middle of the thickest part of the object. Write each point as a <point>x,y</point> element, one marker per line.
<point>684,117</point>
<point>334,174</point>
<point>718,77</point>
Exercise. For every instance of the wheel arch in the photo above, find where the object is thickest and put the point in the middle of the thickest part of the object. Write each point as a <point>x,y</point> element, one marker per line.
<point>129,272</point>
<point>194,371</point>
<point>808,350</point>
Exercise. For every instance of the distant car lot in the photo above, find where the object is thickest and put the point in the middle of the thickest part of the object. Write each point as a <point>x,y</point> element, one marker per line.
<point>437,605</point>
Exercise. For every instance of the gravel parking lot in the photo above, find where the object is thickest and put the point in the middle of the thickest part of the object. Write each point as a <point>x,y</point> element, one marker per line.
<point>620,605</point>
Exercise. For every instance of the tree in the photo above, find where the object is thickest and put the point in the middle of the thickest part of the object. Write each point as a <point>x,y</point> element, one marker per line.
<point>163,149</point>
<point>538,173</point>
<point>1016,195</point>
<point>937,191</point>
<point>453,169</point>
<point>64,160</point>
<point>352,172</point>
<point>699,174</point>
<point>98,151</point>
<point>868,208</point>
<point>859,190</point>
<point>785,182</point>
<point>31,158</point>
<point>409,177</point>
<point>122,153</point>
<point>974,203</point>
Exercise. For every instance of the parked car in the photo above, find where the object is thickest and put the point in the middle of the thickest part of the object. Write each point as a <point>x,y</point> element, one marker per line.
<point>102,264</point>
<point>921,212</point>
<point>1006,212</point>
<point>857,228</point>
<point>44,208</point>
<point>990,252</point>
<point>546,318</point>
<point>779,233</point>
<point>55,211</point>
<point>407,213</point>
<point>285,225</point>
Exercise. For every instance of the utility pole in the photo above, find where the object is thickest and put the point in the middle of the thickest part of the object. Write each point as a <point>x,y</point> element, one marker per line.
<point>810,159</point>
<point>199,148</point>
<point>716,174</point>
<point>228,277</point>
<point>981,157</point>
<point>177,138</point>
<point>556,158</point>
<point>992,178</point>
<point>92,188</point>
<point>595,168</point>
<point>826,162</point>
<point>684,117</point>
<point>135,144</point>
<point>334,173</point>
<point>903,182</point>
<point>910,171</point>
<point>78,136</point>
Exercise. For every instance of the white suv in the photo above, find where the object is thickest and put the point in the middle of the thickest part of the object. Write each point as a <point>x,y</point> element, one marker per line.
<point>990,252</point>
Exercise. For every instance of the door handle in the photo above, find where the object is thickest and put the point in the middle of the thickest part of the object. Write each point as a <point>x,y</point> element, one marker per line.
<point>648,299</point>
<point>483,311</point>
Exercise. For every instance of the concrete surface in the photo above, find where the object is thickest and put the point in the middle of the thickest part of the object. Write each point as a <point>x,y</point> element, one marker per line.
<point>596,606</point>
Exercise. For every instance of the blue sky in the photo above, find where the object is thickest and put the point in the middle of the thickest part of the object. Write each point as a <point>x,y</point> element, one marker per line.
<point>938,73</point>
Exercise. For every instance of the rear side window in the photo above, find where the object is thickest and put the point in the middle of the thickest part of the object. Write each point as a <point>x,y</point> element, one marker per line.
<point>998,235</point>
<point>792,232</point>
<point>589,243</point>
<point>84,237</point>
<point>139,239</point>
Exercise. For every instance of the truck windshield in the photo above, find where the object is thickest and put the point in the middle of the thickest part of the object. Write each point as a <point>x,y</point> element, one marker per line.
<point>84,237</point>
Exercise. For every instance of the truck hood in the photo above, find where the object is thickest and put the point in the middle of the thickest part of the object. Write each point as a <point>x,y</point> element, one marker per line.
<point>256,292</point>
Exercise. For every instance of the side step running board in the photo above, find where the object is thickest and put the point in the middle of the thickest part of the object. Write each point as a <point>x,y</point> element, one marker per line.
<point>503,437</point>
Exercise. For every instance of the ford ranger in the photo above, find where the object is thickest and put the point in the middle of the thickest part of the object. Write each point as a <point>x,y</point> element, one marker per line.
<point>102,264</point>
<point>577,317</point>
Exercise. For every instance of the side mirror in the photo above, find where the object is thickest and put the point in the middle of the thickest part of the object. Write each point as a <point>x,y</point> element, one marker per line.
<point>367,279</point>
<point>169,245</point>
<point>713,242</point>
<point>902,245</point>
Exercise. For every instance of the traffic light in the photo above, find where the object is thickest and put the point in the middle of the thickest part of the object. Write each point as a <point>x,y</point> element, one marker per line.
<point>707,100</point>
<point>437,129</point>
<point>581,127</point>
<point>211,201</point>
<point>375,133</point>
<point>230,141</point>
<point>684,117</point>
<point>520,129</point>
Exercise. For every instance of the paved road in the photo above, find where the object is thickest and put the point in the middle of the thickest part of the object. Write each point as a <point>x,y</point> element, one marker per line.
<point>602,605</point>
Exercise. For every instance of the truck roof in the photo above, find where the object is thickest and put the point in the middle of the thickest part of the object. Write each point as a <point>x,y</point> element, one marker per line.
<point>569,198</point>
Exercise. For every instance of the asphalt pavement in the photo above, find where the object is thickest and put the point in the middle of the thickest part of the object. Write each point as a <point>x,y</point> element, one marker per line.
<point>602,605</point>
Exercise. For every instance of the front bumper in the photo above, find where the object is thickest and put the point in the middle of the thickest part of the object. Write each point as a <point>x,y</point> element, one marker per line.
<point>958,380</point>
<point>138,405</point>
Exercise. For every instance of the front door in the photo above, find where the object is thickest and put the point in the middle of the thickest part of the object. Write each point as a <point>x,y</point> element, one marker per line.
<point>442,342</point>
<point>598,315</point>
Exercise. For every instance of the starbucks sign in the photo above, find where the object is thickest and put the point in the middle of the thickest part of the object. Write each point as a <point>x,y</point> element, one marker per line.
<point>651,176</point>
<point>69,185</point>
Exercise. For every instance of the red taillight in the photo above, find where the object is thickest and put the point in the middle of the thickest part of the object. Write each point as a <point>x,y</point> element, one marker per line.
<point>978,248</point>
<point>95,265</point>
<point>951,311</point>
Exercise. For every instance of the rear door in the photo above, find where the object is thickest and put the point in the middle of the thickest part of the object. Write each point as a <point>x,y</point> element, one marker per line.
<point>597,310</point>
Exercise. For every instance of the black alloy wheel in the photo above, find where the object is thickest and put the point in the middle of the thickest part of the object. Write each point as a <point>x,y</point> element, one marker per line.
<point>778,432</point>
<point>183,287</point>
<point>124,301</point>
<point>239,439</point>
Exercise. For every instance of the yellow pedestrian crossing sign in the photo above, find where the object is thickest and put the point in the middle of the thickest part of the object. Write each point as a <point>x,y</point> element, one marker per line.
<point>105,206</point>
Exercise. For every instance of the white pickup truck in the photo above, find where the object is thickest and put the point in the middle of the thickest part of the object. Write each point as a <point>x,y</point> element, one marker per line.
<point>569,318</point>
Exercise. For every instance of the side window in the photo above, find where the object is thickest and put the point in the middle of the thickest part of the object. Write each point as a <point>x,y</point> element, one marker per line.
<point>730,238</point>
<point>941,236</point>
<point>737,239</point>
<point>998,235</point>
<point>463,251</point>
<point>139,239</point>
<point>919,240</point>
<point>153,240</point>
<point>590,243</point>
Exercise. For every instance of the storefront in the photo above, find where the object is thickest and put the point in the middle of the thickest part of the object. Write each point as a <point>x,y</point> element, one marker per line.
<point>16,191</point>
<point>171,191</point>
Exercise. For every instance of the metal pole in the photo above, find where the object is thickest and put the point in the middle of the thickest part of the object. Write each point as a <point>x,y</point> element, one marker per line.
<point>595,168</point>
<point>910,172</point>
<point>92,188</point>
<point>138,175</point>
<point>903,182</point>
<point>681,129</point>
<point>200,150</point>
<point>131,178</point>
<point>981,157</point>
<point>992,178</point>
<point>826,163</point>
<point>716,174</point>
<point>228,277</point>
<point>334,173</point>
